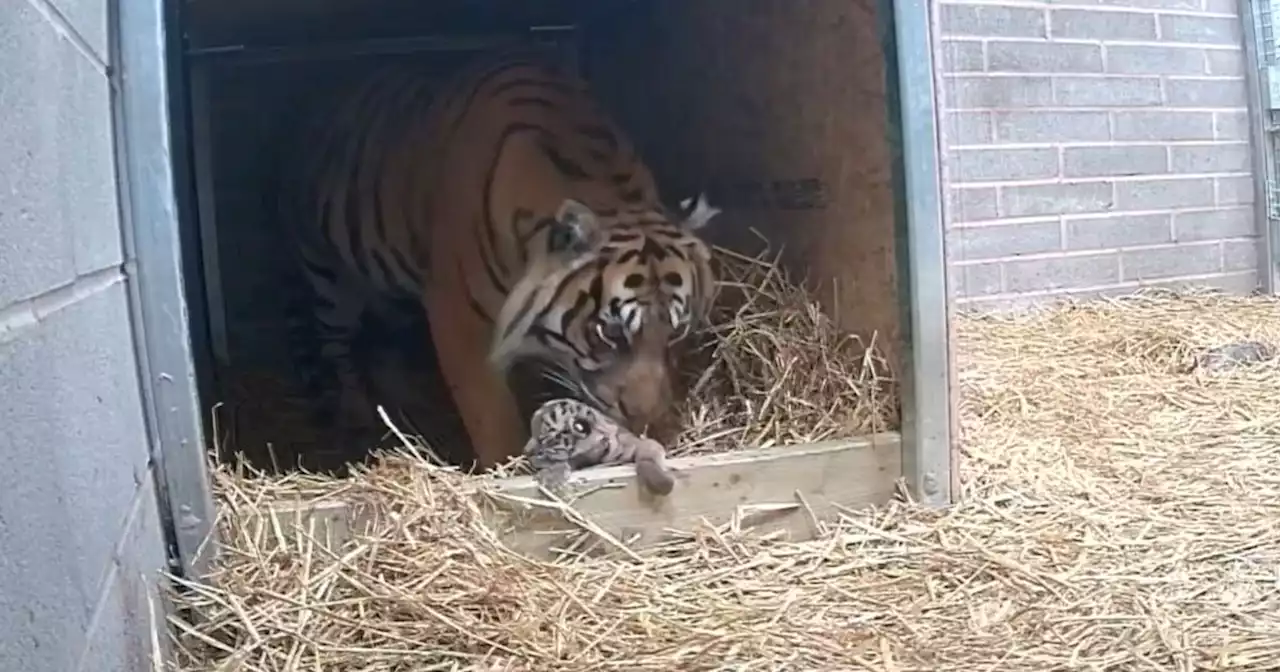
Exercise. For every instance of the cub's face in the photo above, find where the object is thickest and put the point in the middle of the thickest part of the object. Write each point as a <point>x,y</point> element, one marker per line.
<point>567,430</point>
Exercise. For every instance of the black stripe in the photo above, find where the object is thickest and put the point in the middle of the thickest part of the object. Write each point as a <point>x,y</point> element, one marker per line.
<point>325,272</point>
<point>632,195</point>
<point>487,260</point>
<point>567,167</point>
<point>527,306</point>
<point>487,214</point>
<point>544,335</point>
<point>406,268</point>
<point>559,87</point>
<point>579,305</point>
<point>532,101</point>
<point>479,310</point>
<point>381,262</point>
<point>500,68</point>
<point>518,218</point>
<point>600,133</point>
<point>355,233</point>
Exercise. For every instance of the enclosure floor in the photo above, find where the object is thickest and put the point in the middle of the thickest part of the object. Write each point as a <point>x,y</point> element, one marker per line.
<point>1119,513</point>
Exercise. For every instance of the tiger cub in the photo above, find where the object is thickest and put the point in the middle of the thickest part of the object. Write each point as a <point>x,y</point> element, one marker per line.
<point>510,209</point>
<point>566,434</point>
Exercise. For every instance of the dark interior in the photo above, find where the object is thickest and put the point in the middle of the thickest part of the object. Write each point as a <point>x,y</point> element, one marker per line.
<point>778,108</point>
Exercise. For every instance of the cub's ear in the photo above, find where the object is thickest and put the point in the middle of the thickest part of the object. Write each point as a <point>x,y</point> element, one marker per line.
<point>697,212</point>
<point>574,228</point>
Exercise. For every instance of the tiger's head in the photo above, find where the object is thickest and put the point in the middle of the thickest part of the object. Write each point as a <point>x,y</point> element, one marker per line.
<point>604,298</point>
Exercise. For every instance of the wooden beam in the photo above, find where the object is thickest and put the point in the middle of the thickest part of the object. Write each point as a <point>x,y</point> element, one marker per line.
<point>790,489</point>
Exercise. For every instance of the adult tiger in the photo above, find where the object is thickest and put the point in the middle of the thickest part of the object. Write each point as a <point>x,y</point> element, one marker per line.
<point>517,214</point>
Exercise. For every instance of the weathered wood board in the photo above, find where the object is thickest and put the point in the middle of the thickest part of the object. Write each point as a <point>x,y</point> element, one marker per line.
<point>789,489</point>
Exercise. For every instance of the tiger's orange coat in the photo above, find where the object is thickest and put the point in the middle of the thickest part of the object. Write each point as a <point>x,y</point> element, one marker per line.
<point>518,215</point>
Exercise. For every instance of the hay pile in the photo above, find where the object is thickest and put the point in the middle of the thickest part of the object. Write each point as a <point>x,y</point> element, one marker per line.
<point>1119,512</point>
<point>774,369</point>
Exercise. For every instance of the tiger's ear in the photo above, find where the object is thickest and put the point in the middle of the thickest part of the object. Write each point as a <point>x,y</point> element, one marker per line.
<point>697,212</point>
<point>574,228</point>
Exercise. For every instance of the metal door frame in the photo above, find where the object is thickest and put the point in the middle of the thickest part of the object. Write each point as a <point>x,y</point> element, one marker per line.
<point>1262,80</point>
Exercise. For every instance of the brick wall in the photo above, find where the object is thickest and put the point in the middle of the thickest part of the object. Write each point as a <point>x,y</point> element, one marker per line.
<point>80,537</point>
<point>1095,146</point>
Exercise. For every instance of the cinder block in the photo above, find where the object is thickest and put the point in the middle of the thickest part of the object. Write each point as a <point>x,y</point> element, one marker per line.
<point>1226,62</point>
<point>971,243</point>
<point>989,165</point>
<point>1094,233</point>
<point>1231,125</point>
<point>1193,5</point>
<point>974,279</point>
<point>972,205</point>
<point>1163,125</point>
<point>1200,29</point>
<point>1205,92</point>
<point>992,21</point>
<point>1235,190</point>
<point>1103,91</point>
<point>1055,199</point>
<point>119,637</point>
<point>75,448</point>
<point>1096,25</point>
<point>962,56</point>
<point>1217,157</point>
<point>1164,194</point>
<point>1114,160</point>
<point>89,19</point>
<point>1091,270</point>
<point>1146,60</point>
<point>969,128</point>
<point>1214,224</point>
<point>987,92</point>
<point>1043,57</point>
<point>1241,255</point>
<point>58,212</point>
<point>1222,7</point>
<point>1171,261</point>
<point>1055,126</point>
<point>1239,283</point>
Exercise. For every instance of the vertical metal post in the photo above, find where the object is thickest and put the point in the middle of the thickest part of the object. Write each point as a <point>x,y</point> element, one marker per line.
<point>926,386</point>
<point>1262,75</point>
<point>154,245</point>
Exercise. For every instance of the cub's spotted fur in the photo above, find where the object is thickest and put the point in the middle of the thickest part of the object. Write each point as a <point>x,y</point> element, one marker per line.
<point>566,434</point>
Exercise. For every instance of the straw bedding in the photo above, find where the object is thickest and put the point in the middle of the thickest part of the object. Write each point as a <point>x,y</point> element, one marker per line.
<point>1119,512</point>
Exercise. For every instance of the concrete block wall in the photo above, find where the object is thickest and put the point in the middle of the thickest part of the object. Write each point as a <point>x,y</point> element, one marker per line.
<point>80,539</point>
<point>1095,146</point>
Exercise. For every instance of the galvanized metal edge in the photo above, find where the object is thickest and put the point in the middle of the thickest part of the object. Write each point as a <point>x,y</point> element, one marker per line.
<point>927,381</point>
<point>1263,158</point>
<point>155,276</point>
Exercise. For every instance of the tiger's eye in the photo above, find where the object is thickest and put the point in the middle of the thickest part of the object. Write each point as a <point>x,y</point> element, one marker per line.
<point>581,426</point>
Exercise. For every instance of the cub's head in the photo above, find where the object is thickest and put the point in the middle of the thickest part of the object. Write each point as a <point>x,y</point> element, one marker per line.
<point>604,297</point>
<point>568,430</point>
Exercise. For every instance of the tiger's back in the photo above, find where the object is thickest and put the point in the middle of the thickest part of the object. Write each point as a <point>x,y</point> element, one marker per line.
<point>509,206</point>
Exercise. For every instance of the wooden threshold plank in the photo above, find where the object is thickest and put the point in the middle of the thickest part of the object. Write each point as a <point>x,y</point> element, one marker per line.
<point>785,488</point>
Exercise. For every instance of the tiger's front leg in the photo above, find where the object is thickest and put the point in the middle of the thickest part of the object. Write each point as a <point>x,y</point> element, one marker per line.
<point>485,402</point>
<point>338,315</point>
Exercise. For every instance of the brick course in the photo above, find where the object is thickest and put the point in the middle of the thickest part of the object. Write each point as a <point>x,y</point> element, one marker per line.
<point>1094,147</point>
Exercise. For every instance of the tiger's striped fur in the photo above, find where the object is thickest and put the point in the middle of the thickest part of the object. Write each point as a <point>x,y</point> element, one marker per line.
<point>515,212</point>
